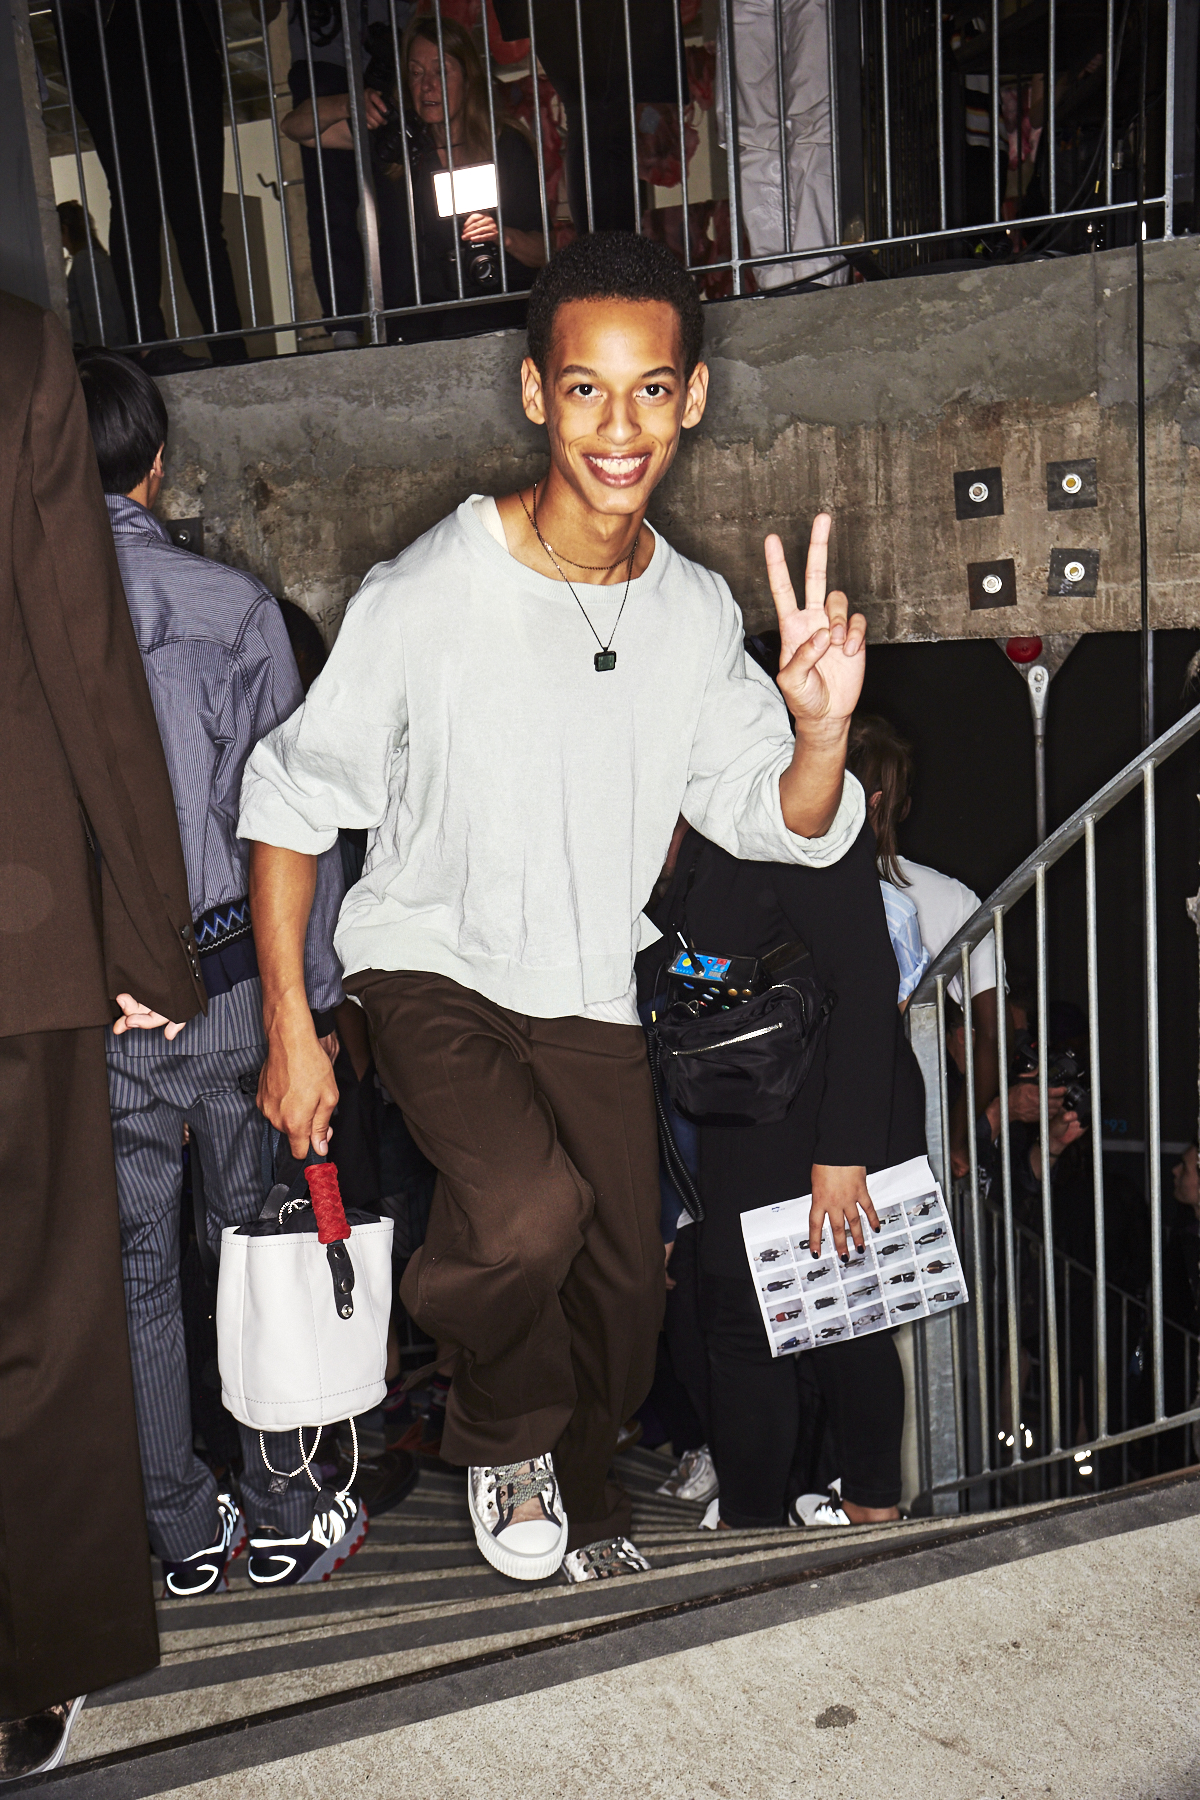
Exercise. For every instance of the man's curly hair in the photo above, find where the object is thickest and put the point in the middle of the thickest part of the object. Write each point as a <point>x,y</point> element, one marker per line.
<point>614,265</point>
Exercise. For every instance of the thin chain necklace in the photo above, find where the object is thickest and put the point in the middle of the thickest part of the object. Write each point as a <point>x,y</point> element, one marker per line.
<point>592,568</point>
<point>605,658</point>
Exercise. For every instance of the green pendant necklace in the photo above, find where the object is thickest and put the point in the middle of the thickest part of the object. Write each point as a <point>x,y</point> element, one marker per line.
<point>605,658</point>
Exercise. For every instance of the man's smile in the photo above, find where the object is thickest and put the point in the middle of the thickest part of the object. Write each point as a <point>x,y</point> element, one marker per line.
<point>618,471</point>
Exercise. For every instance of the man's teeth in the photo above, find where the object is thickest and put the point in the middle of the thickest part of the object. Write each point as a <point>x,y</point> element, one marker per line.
<point>619,465</point>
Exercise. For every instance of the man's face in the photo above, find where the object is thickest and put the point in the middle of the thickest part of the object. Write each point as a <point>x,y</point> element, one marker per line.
<point>614,399</point>
<point>1187,1189</point>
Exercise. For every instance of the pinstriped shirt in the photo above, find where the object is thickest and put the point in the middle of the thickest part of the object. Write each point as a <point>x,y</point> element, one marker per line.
<point>221,674</point>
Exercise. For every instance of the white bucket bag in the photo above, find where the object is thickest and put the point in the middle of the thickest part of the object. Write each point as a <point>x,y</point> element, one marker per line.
<point>303,1303</point>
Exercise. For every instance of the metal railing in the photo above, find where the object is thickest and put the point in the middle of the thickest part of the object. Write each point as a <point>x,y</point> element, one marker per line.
<point>772,144</point>
<point>966,1358</point>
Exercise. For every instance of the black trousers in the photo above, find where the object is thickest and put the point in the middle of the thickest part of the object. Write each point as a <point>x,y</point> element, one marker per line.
<point>187,83</point>
<point>757,1406</point>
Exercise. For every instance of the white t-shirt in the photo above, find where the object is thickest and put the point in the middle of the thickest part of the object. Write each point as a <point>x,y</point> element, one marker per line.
<point>943,906</point>
<point>518,803</point>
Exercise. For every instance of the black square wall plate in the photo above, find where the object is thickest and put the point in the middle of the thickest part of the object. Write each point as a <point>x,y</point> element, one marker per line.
<point>1073,572</point>
<point>992,584</point>
<point>978,494</point>
<point>1071,484</point>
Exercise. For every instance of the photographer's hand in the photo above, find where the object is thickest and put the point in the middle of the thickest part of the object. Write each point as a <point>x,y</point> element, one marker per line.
<point>839,1195</point>
<point>480,228</point>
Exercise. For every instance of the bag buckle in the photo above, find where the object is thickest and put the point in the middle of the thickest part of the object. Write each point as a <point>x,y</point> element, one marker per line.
<point>342,1270</point>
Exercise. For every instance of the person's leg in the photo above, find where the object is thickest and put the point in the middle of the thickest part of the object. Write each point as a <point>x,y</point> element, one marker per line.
<point>76,1609</point>
<point>188,114</point>
<point>508,1214</point>
<point>227,1128</point>
<point>596,1080</point>
<point>754,1405</point>
<point>862,1385</point>
<point>149,1096</point>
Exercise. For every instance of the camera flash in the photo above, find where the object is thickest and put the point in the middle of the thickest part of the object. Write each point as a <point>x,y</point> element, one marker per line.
<point>466,191</point>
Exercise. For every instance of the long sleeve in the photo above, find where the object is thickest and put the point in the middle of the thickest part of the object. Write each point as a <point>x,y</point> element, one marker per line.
<point>838,911</point>
<point>270,693</point>
<point>86,658</point>
<point>742,745</point>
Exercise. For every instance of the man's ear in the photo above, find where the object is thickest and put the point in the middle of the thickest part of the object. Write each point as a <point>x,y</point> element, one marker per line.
<point>697,396</point>
<point>532,397</point>
<point>156,468</point>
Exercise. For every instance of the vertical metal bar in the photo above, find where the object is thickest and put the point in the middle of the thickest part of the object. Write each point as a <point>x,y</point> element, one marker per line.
<point>885,69</point>
<point>941,113</point>
<point>448,127</point>
<point>785,194</point>
<point>583,123</point>
<point>362,168</point>
<point>732,163</point>
<point>1169,127</point>
<point>402,100</point>
<point>1010,1247</point>
<point>491,100</point>
<point>1043,1408</point>
<point>537,131</point>
<point>1108,105</point>
<point>633,143</point>
<point>943,1089</point>
<point>981,1351</point>
<point>283,218</point>
<point>835,158</point>
<point>994,1291</point>
<point>996,109</point>
<point>1043,1003</point>
<point>319,152</point>
<point>1153,1117</point>
<point>1101,1257</point>
<point>191,114</point>
<point>83,197</point>
<point>1051,109</point>
<point>235,145</point>
<point>1068,1400</point>
<point>112,119</point>
<point>684,100</point>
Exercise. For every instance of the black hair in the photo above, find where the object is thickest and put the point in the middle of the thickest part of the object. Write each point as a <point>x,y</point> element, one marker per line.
<point>127,418</point>
<point>614,265</point>
<point>308,646</point>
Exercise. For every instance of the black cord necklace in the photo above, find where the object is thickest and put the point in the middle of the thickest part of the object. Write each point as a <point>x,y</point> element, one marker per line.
<point>605,658</point>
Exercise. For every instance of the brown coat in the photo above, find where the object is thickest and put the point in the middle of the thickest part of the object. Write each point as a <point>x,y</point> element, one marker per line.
<point>79,746</point>
<point>79,755</point>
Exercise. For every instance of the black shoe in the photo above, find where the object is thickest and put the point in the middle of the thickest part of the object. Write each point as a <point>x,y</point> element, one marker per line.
<point>337,1531</point>
<point>383,1479</point>
<point>33,1745</point>
<point>204,1572</point>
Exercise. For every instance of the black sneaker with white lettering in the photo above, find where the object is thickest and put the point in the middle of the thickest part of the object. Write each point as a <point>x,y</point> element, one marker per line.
<point>337,1531</point>
<point>204,1571</point>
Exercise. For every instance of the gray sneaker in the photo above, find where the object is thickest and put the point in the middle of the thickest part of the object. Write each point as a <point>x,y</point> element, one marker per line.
<point>603,1559</point>
<point>695,1478</point>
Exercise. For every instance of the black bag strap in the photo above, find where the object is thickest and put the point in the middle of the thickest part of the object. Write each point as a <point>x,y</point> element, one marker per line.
<point>208,1256</point>
<point>678,1173</point>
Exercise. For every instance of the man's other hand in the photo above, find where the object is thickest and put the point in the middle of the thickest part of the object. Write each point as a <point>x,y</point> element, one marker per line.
<point>296,1089</point>
<point>136,1017</point>
<point>822,648</point>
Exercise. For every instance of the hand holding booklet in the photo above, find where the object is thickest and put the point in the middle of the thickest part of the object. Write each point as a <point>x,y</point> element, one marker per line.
<point>909,1270</point>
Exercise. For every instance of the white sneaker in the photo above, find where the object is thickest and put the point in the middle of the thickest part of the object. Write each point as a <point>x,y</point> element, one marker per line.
<point>524,1549</point>
<point>695,1478</point>
<point>603,1559</point>
<point>819,1509</point>
<point>712,1517</point>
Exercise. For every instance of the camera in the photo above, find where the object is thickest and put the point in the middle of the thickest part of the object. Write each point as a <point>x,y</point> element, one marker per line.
<point>1063,1070</point>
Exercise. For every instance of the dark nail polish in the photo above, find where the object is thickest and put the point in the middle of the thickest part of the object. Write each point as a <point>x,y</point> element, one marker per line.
<point>877,1229</point>
<point>846,1259</point>
<point>814,1254</point>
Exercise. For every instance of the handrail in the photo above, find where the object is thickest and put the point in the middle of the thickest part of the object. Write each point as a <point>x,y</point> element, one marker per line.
<point>1070,833</point>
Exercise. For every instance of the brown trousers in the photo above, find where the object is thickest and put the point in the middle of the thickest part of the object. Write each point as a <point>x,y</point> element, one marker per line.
<point>76,1608</point>
<point>542,1268</point>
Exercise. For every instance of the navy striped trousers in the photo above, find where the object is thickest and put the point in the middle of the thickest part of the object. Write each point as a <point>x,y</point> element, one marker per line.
<point>151,1097</point>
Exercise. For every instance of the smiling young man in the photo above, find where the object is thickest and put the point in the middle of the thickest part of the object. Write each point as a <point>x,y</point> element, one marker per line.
<point>518,708</point>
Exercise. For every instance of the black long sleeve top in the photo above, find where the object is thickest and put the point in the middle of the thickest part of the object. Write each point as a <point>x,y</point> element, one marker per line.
<point>862,1103</point>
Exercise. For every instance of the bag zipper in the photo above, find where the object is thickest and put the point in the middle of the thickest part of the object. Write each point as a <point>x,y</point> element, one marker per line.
<point>728,1043</point>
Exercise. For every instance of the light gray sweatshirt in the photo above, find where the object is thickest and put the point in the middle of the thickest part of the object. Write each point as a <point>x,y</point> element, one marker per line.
<point>519,802</point>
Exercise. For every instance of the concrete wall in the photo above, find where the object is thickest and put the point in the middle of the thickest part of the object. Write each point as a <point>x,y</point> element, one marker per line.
<point>864,399</point>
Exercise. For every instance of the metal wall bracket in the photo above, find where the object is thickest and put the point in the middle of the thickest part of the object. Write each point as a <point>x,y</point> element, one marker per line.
<point>1073,572</point>
<point>1071,484</point>
<point>992,584</point>
<point>978,493</point>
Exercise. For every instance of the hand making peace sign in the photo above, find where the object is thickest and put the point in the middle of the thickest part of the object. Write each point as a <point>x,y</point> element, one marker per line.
<point>822,652</point>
